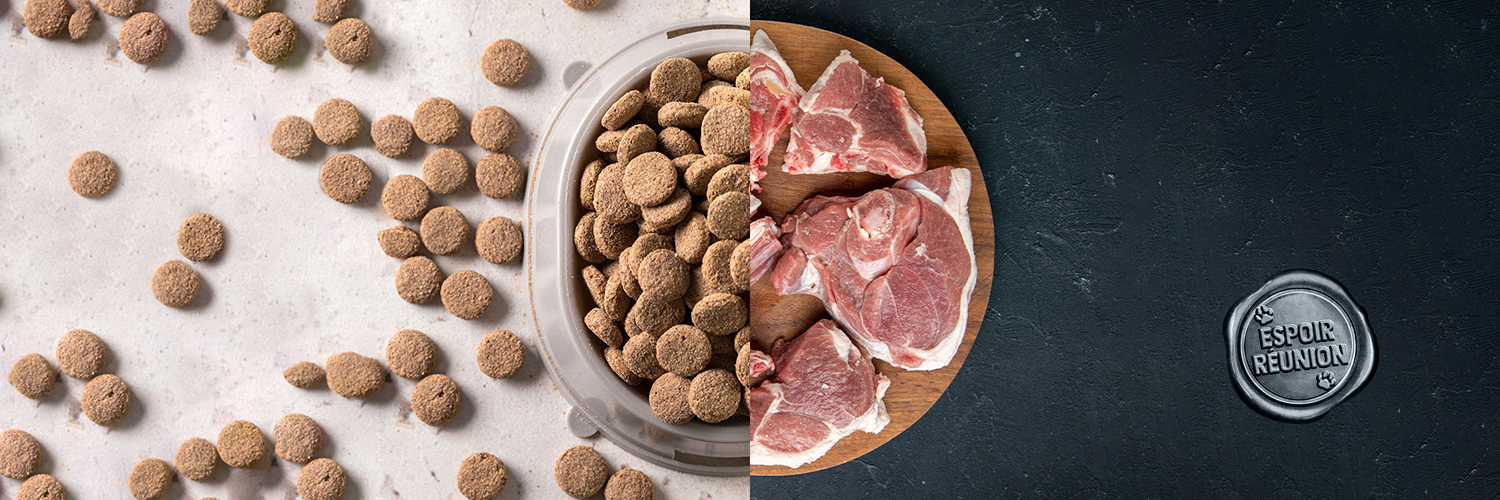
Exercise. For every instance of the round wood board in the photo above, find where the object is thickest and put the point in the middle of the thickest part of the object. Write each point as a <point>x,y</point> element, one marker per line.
<point>809,50</point>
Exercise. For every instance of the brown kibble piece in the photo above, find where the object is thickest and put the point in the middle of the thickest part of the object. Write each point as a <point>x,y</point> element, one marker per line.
<point>588,182</point>
<point>298,438</point>
<point>435,400</point>
<point>683,350</point>
<point>200,237</point>
<point>629,484</point>
<point>743,81</point>
<point>204,16</point>
<point>467,294</point>
<point>716,273</point>
<point>739,265</point>
<point>676,142</point>
<point>81,20</point>
<point>445,171</point>
<point>444,230</point>
<point>741,338</point>
<point>505,62</point>
<point>105,400</point>
<point>609,197</point>
<point>636,141</point>
<point>81,354</point>
<point>595,280</point>
<point>91,174</point>
<point>613,238</point>
<point>697,288</point>
<point>336,121</point>
<point>350,41</point>
<point>399,241</point>
<point>20,453</point>
<point>49,18</point>
<point>119,8</point>
<point>498,240</point>
<point>714,395</point>
<point>729,215</point>
<point>405,198</point>
<point>669,399</point>
<point>40,487</point>
<point>494,129</point>
<point>410,354</point>
<point>352,376</point>
<point>663,272</point>
<point>32,376</point>
<point>292,137</point>
<point>726,130</point>
<point>733,178</point>
<point>581,472</point>
<point>272,38</point>
<point>623,110</point>
<point>717,93</point>
<point>583,239</point>
<point>437,121</point>
<point>304,374</point>
<point>481,476</point>
<point>720,314</point>
<point>728,65</point>
<point>675,79</point>
<point>500,354</point>
<point>692,238</point>
<point>418,280</point>
<point>665,216</point>
<point>345,178</point>
<point>581,4</point>
<point>175,283</point>
<point>392,135</point>
<point>330,11</point>
<point>722,346</point>
<point>321,479</point>
<point>701,174</point>
<point>681,114</point>
<point>143,38</point>
<point>150,478</point>
<point>603,327</point>
<point>499,176</point>
<point>649,179</point>
<point>248,8</point>
<point>241,444</point>
<point>616,360</point>
<point>640,356</point>
<point>196,459</point>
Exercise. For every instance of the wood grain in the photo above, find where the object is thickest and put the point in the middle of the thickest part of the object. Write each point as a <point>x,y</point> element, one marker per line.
<point>808,51</point>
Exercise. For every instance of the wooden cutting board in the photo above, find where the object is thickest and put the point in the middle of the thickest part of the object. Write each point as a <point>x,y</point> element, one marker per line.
<point>808,51</point>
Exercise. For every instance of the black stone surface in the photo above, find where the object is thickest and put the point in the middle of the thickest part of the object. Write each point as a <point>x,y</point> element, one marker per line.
<point>1149,165</point>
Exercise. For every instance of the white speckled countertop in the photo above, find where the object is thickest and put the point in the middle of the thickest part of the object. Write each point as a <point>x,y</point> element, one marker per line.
<point>301,276</point>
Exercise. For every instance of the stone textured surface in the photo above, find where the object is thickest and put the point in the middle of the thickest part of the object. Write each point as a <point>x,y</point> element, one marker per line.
<point>301,276</point>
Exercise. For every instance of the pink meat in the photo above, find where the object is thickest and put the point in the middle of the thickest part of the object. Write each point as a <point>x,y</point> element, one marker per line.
<point>774,94</point>
<point>825,388</point>
<point>852,122</point>
<point>765,247</point>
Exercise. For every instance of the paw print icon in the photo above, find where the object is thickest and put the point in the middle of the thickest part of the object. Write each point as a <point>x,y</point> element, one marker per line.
<point>1326,380</point>
<point>1264,314</point>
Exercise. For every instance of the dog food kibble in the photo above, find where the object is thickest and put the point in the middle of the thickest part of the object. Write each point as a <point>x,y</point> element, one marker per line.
<point>444,230</point>
<point>732,178</point>
<point>587,184</point>
<point>649,179</point>
<point>581,472</point>
<point>410,354</point>
<point>640,357</point>
<point>583,239</point>
<point>248,8</point>
<point>437,120</point>
<point>418,280</point>
<point>613,238</point>
<point>143,38</point>
<point>435,400</point>
<point>701,173</point>
<point>681,114</point>
<point>330,11</point>
<point>499,176</point>
<point>200,237</point>
<point>81,354</point>
<point>354,376</point>
<point>494,129</point>
<point>445,171</point>
<point>637,140</point>
<point>47,18</point>
<point>716,273</point>
<point>467,294</point>
<point>605,328</point>
<point>196,459</point>
<point>714,395</point>
<point>581,4</point>
<point>669,399</point>
<point>405,198</point>
<point>350,41</point>
<point>692,238</point>
<point>675,79</point>
<point>292,137</point>
<point>298,438</point>
<point>20,453</point>
<point>175,283</point>
<point>664,273</point>
<point>336,122</point>
<point>616,360</point>
<point>728,65</point>
<point>150,478</point>
<point>481,476</point>
<point>392,135</point>
<point>345,178</point>
<point>729,215</point>
<point>726,130</point>
<point>105,400</point>
<point>500,354</point>
<point>40,487</point>
<point>91,174</point>
<point>80,22</point>
<point>629,484</point>
<point>505,62</point>
<point>273,37</point>
<point>663,218</point>
<point>498,240</point>
<point>304,374</point>
<point>623,110</point>
<point>720,314</point>
<point>32,376</point>
<point>676,142</point>
<point>321,479</point>
<point>204,16</point>
<point>241,444</point>
<point>399,241</point>
<point>119,8</point>
<point>683,350</point>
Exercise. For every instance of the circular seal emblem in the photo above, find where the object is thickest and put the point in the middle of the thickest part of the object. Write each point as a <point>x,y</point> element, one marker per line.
<point>1298,346</point>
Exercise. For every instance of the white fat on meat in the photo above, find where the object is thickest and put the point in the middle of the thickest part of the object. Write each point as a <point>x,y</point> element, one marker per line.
<point>774,94</point>
<point>850,121</point>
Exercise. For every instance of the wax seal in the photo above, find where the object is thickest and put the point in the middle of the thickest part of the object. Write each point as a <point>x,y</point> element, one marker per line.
<point>1298,346</point>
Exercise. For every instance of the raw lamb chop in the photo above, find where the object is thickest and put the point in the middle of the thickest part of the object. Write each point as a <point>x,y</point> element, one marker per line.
<point>895,267</point>
<point>825,388</point>
<point>852,122</point>
<point>774,93</point>
<point>765,247</point>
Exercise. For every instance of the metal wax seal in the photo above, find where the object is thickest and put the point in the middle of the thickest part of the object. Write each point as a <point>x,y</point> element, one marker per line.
<point>1298,346</point>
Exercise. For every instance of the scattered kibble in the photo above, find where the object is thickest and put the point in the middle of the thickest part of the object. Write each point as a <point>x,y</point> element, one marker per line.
<point>581,4</point>
<point>499,176</point>
<point>350,41</point>
<point>92,174</point>
<point>405,198</point>
<point>304,375</point>
<point>354,376</point>
<point>175,284</point>
<point>292,137</point>
<point>337,122</point>
<point>20,453</point>
<point>444,230</point>
<point>392,135</point>
<point>445,171</point>
<point>119,8</point>
<point>204,16</point>
<point>32,376</point>
<point>345,178</point>
<point>418,280</point>
<point>47,18</point>
<point>106,400</point>
<point>435,400</point>
<point>248,8</point>
<point>467,294</point>
<point>500,354</point>
<point>498,240</point>
<point>81,20</point>
<point>494,129</point>
<point>505,62</point>
<point>298,438</point>
<point>150,478</point>
<point>81,354</point>
<point>330,11</point>
<point>581,472</point>
<point>321,479</point>
<point>241,444</point>
<point>629,484</point>
<point>200,237</point>
<point>481,476</point>
<point>437,121</point>
<point>410,354</point>
<point>41,487</point>
<point>399,241</point>
<point>196,459</point>
<point>273,38</point>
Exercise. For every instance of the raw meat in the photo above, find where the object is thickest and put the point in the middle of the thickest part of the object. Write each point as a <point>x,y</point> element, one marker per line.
<point>765,246</point>
<point>825,389</point>
<point>895,267</point>
<point>774,93</point>
<point>852,122</point>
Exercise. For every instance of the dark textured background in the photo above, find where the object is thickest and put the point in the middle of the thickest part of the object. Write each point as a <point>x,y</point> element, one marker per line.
<point>1149,165</point>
